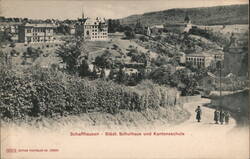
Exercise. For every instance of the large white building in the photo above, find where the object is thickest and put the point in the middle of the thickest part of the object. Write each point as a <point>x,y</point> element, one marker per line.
<point>93,29</point>
<point>36,33</point>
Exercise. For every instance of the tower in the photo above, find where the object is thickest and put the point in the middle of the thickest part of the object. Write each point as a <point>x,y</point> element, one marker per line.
<point>82,14</point>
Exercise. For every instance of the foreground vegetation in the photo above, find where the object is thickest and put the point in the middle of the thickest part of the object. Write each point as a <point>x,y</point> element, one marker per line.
<point>49,93</point>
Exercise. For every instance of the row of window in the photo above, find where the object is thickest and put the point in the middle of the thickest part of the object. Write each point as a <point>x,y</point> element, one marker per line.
<point>38,39</point>
<point>95,37</point>
<point>199,63</point>
<point>195,59</point>
<point>39,30</point>
<point>99,33</point>
<point>92,26</point>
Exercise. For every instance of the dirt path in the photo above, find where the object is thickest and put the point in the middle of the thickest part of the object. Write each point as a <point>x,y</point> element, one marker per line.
<point>207,117</point>
<point>200,140</point>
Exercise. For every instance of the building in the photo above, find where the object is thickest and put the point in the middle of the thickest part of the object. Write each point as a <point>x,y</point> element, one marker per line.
<point>156,29</point>
<point>205,58</point>
<point>11,27</point>
<point>181,57</point>
<point>72,29</point>
<point>36,33</point>
<point>199,59</point>
<point>92,29</point>
<point>148,31</point>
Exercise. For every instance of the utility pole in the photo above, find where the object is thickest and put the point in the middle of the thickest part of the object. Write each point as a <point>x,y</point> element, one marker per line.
<point>219,66</point>
<point>220,85</point>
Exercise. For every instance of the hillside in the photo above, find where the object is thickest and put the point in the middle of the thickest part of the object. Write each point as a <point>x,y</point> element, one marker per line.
<point>233,14</point>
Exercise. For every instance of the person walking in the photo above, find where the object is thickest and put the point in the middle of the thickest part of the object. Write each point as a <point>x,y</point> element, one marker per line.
<point>216,116</point>
<point>198,113</point>
<point>222,116</point>
<point>227,116</point>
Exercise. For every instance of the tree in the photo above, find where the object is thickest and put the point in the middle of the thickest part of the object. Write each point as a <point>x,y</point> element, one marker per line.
<point>84,68</point>
<point>162,75</point>
<point>111,74</point>
<point>130,34</point>
<point>72,54</point>
<point>105,60</point>
<point>94,73</point>
<point>120,76</point>
<point>5,37</point>
<point>103,74</point>
<point>33,53</point>
<point>185,81</point>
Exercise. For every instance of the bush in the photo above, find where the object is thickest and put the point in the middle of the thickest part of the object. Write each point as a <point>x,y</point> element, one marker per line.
<point>48,93</point>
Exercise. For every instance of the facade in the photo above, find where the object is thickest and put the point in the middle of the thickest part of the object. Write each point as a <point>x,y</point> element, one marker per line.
<point>205,58</point>
<point>36,33</point>
<point>93,29</point>
<point>199,60</point>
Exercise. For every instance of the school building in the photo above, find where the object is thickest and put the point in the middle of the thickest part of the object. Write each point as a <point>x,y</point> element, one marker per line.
<point>36,33</point>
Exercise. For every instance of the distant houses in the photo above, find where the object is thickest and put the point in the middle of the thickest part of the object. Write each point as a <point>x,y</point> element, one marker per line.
<point>11,27</point>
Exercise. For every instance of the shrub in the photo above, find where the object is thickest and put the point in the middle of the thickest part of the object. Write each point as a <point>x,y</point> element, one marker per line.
<point>43,92</point>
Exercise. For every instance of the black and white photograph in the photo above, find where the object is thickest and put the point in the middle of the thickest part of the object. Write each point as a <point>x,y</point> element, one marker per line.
<point>124,79</point>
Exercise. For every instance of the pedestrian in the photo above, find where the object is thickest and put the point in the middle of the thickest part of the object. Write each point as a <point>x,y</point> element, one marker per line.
<point>198,113</point>
<point>222,116</point>
<point>227,115</point>
<point>216,116</point>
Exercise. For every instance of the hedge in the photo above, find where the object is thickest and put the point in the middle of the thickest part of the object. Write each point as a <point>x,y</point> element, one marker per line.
<point>49,93</point>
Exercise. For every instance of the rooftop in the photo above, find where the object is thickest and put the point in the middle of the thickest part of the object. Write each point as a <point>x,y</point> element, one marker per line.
<point>207,53</point>
<point>44,25</point>
<point>96,21</point>
<point>10,23</point>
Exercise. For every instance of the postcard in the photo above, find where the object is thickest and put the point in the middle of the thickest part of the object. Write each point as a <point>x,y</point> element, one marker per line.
<point>124,79</point>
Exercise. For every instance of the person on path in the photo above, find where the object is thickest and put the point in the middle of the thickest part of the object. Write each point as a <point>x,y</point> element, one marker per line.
<point>198,113</point>
<point>222,116</point>
<point>227,116</point>
<point>216,116</point>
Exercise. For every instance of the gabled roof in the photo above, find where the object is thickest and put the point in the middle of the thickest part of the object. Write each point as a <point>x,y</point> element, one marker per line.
<point>97,21</point>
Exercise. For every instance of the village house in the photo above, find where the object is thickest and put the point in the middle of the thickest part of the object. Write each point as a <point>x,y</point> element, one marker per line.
<point>156,29</point>
<point>92,29</point>
<point>36,33</point>
<point>11,27</point>
<point>72,29</point>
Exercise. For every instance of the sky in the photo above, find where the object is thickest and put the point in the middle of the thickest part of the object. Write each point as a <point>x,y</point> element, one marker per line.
<point>72,9</point>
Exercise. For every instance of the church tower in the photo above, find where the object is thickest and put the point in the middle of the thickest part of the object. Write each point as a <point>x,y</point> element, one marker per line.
<point>82,14</point>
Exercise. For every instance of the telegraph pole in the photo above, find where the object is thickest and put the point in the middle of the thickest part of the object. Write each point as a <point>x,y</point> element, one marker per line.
<point>220,83</point>
<point>219,66</point>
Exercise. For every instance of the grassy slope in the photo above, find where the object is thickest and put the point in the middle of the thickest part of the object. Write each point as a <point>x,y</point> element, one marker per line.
<point>233,14</point>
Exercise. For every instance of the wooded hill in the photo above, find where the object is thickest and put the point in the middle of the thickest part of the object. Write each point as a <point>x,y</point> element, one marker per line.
<point>219,15</point>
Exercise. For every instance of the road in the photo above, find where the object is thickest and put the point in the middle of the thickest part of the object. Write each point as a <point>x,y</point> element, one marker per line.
<point>207,118</point>
<point>200,140</point>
